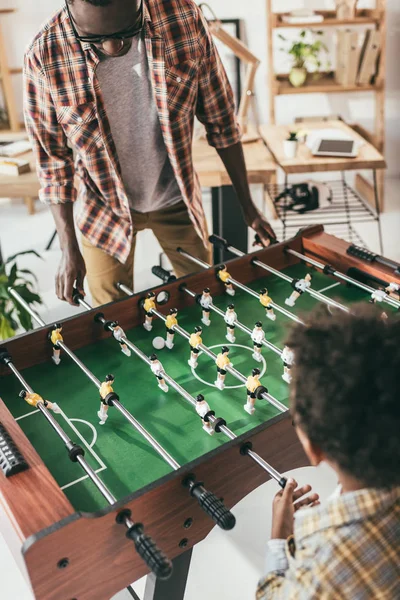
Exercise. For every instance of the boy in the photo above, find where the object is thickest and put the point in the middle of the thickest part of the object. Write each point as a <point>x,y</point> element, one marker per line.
<point>346,413</point>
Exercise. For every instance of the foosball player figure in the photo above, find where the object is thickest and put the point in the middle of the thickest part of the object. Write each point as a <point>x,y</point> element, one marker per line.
<point>202,409</point>
<point>253,384</point>
<point>222,362</point>
<point>55,337</point>
<point>148,306</point>
<point>119,333</point>
<point>299,287</point>
<point>393,289</point>
<point>195,341</point>
<point>266,302</point>
<point>205,303</point>
<point>158,369</point>
<point>287,357</point>
<point>170,323</point>
<point>223,275</point>
<point>105,389</point>
<point>258,336</point>
<point>378,296</point>
<point>33,400</point>
<point>230,319</point>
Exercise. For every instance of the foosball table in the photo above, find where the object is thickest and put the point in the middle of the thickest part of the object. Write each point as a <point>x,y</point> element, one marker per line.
<point>102,486</point>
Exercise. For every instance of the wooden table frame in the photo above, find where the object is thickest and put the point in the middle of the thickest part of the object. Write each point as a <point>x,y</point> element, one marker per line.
<point>101,561</point>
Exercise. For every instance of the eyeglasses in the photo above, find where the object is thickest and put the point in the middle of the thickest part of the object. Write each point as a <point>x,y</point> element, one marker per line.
<point>105,42</point>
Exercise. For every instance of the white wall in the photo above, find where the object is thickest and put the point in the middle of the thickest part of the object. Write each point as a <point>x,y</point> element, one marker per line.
<point>21,27</point>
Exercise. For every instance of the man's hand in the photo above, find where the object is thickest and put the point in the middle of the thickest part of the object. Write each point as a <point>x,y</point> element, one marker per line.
<point>264,230</point>
<point>71,273</point>
<point>286,503</point>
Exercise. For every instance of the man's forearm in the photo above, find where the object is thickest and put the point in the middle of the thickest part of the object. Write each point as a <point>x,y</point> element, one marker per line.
<point>63,215</point>
<point>234,162</point>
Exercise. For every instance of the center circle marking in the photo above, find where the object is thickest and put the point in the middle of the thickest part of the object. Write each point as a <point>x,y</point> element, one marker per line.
<point>229,387</point>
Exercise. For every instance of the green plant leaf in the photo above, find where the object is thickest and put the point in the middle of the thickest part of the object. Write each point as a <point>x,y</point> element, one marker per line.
<point>12,258</point>
<point>28,295</point>
<point>24,318</point>
<point>6,331</point>
<point>28,272</point>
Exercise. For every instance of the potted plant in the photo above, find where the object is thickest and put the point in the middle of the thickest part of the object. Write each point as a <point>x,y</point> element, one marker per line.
<point>290,145</point>
<point>12,314</point>
<point>305,55</point>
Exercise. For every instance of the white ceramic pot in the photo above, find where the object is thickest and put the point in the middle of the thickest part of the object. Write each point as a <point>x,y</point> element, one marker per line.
<point>290,148</point>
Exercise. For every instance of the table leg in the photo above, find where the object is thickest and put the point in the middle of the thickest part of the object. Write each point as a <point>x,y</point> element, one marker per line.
<point>228,221</point>
<point>378,212</point>
<point>30,204</point>
<point>174,587</point>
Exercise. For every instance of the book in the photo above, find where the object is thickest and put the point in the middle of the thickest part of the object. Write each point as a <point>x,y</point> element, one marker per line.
<point>14,166</point>
<point>354,48</point>
<point>301,15</point>
<point>369,57</point>
<point>15,148</point>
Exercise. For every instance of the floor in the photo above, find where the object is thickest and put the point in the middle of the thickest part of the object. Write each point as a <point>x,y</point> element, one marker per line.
<point>244,546</point>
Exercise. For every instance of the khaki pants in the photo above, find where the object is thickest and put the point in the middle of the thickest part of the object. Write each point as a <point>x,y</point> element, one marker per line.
<point>172,228</point>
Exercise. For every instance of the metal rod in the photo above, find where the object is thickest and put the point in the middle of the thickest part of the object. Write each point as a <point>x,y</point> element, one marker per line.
<point>238,324</point>
<point>98,483</point>
<point>343,277</point>
<point>172,463</point>
<point>20,378</point>
<point>313,293</point>
<point>152,441</point>
<point>243,287</point>
<point>23,303</point>
<point>223,428</point>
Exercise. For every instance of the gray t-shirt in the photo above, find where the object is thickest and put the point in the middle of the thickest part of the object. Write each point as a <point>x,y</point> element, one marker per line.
<point>147,173</point>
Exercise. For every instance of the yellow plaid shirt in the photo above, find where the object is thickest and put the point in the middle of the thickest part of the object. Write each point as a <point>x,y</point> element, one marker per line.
<point>347,549</point>
<point>64,109</point>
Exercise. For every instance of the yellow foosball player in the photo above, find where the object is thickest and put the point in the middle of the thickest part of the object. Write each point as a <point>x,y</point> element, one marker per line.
<point>195,341</point>
<point>33,400</point>
<point>106,388</point>
<point>253,386</point>
<point>55,337</point>
<point>170,323</point>
<point>223,275</point>
<point>222,362</point>
<point>266,301</point>
<point>148,306</point>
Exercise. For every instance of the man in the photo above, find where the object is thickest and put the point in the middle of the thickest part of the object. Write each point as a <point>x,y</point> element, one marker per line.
<point>345,407</point>
<point>120,82</point>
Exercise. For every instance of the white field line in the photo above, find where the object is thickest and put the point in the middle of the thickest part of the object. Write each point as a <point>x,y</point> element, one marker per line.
<point>64,487</point>
<point>329,287</point>
<point>89,447</point>
<point>92,427</point>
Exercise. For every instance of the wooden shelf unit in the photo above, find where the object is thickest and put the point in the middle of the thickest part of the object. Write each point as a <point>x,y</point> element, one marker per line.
<point>324,84</point>
<point>279,83</point>
<point>363,17</point>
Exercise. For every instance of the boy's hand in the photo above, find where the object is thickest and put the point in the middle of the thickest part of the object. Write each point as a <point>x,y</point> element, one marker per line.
<point>286,503</point>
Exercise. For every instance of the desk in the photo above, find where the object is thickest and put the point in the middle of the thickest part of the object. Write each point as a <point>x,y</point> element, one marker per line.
<point>227,216</point>
<point>304,162</point>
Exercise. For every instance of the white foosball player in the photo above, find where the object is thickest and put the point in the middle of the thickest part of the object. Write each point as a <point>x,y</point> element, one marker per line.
<point>287,357</point>
<point>230,320</point>
<point>300,286</point>
<point>158,369</point>
<point>258,336</point>
<point>119,334</point>
<point>205,303</point>
<point>202,409</point>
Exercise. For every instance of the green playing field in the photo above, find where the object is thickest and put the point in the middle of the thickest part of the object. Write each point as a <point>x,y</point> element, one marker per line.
<point>123,459</point>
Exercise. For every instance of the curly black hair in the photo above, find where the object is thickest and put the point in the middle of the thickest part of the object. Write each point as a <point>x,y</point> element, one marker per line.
<point>346,391</point>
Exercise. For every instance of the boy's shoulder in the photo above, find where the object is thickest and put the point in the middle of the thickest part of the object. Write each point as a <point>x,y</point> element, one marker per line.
<point>48,29</point>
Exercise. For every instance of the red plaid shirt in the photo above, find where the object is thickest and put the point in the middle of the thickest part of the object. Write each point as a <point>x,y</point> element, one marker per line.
<point>64,109</point>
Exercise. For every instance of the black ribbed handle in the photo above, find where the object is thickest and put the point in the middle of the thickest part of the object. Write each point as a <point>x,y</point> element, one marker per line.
<point>213,507</point>
<point>76,296</point>
<point>163,274</point>
<point>218,241</point>
<point>157,562</point>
